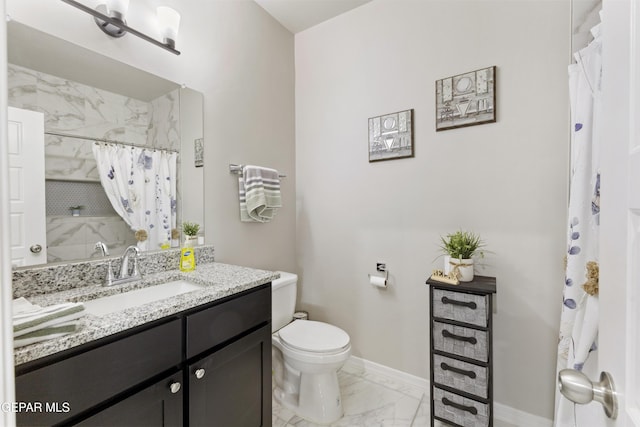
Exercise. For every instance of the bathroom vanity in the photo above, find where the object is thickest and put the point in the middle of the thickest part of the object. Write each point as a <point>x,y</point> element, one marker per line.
<point>461,326</point>
<point>204,358</point>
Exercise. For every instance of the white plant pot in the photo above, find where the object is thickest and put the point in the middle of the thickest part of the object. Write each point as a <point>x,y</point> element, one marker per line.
<point>447,266</point>
<point>190,241</point>
<point>464,268</point>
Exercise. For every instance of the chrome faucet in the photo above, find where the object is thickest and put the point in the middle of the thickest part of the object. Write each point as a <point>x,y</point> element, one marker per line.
<point>124,275</point>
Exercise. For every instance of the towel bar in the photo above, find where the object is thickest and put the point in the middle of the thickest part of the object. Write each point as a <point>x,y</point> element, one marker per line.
<point>237,169</point>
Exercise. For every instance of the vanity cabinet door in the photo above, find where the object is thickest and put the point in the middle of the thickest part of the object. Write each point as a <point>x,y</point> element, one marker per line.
<point>89,378</point>
<point>232,387</point>
<point>159,405</point>
<point>222,322</point>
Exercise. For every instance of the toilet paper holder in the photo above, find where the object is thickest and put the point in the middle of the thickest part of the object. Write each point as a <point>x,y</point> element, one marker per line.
<point>375,279</point>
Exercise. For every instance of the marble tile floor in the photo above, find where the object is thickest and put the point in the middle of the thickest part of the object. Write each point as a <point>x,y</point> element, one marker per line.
<point>371,400</point>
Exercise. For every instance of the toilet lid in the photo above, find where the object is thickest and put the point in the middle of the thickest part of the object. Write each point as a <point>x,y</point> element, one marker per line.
<point>309,335</point>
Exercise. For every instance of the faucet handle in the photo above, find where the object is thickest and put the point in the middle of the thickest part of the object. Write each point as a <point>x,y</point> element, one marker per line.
<point>108,281</point>
<point>102,248</point>
<point>136,271</point>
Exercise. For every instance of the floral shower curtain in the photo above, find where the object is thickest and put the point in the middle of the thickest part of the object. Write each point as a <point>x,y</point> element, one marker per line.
<point>577,348</point>
<point>141,186</point>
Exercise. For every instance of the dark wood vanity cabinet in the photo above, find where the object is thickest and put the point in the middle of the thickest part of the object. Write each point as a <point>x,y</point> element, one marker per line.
<point>73,384</point>
<point>207,366</point>
<point>157,405</point>
<point>232,387</point>
<point>461,324</point>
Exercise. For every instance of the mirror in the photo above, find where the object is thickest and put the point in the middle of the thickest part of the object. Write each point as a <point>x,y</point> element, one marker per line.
<point>584,16</point>
<point>87,97</point>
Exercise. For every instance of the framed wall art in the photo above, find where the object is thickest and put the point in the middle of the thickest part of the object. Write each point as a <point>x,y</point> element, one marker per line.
<point>467,99</point>
<point>198,145</point>
<point>391,136</point>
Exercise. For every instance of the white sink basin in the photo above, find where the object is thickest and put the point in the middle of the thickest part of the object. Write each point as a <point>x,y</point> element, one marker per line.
<point>138,297</point>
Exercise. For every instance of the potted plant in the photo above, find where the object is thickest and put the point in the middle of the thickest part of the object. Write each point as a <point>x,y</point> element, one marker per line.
<point>190,230</point>
<point>75,210</point>
<point>459,248</point>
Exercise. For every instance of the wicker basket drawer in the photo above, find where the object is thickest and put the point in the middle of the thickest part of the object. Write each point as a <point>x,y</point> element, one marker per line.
<point>460,410</point>
<point>461,375</point>
<point>461,341</point>
<point>460,306</point>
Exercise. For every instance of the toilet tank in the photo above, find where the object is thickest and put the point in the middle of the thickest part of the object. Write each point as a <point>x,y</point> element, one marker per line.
<point>283,299</point>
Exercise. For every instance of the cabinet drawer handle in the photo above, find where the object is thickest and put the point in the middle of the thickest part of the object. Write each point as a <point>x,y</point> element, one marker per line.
<point>472,305</point>
<point>174,387</point>
<point>446,367</point>
<point>199,373</point>
<point>469,409</point>
<point>470,340</point>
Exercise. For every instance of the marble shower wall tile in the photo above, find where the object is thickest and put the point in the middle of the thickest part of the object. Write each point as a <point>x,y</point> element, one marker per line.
<point>69,159</point>
<point>22,86</point>
<point>164,126</point>
<point>70,238</point>
<point>113,231</point>
<point>62,102</point>
<point>135,117</point>
<point>81,110</point>
<point>65,231</point>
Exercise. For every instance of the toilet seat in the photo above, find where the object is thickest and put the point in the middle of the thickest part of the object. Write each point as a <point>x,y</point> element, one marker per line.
<point>314,337</point>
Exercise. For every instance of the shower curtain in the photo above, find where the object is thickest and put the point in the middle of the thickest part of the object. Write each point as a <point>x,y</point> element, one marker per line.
<point>577,347</point>
<point>141,186</point>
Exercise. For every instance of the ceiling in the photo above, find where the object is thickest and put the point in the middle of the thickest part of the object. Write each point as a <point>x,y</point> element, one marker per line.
<point>298,15</point>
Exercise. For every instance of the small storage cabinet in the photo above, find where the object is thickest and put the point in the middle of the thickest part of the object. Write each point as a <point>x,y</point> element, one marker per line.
<point>461,325</point>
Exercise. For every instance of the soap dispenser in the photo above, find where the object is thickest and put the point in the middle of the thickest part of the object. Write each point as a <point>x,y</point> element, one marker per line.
<point>187,259</point>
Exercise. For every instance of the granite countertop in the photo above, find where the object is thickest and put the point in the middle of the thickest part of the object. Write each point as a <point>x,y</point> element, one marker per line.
<point>220,280</point>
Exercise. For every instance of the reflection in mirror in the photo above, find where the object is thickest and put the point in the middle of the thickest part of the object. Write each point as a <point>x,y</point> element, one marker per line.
<point>84,98</point>
<point>584,16</point>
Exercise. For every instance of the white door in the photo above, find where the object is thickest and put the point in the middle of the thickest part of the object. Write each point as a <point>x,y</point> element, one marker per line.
<point>619,333</point>
<point>26,187</point>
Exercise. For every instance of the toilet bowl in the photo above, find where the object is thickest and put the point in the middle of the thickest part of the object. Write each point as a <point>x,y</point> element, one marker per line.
<point>306,358</point>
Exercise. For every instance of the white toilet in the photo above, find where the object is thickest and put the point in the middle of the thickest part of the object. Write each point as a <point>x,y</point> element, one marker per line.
<point>306,358</point>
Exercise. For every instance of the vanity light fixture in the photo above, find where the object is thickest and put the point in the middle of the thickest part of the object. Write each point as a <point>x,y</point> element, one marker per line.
<point>111,19</point>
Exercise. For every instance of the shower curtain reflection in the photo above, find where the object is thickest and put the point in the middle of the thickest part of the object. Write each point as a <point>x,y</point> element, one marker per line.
<point>141,186</point>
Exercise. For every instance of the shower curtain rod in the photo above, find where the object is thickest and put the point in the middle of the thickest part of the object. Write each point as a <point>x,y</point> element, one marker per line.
<point>109,141</point>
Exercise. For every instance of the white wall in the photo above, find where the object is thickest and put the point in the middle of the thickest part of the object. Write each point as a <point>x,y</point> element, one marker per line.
<point>506,181</point>
<point>241,59</point>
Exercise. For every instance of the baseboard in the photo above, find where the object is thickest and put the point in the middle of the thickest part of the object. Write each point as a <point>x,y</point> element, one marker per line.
<point>519,418</point>
<point>355,364</point>
<point>503,413</point>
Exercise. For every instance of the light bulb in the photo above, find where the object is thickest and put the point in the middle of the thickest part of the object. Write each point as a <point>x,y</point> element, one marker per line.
<point>117,9</point>
<point>169,22</point>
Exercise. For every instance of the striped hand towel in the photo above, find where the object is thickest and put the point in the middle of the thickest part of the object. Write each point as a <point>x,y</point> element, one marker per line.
<point>259,194</point>
<point>27,320</point>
